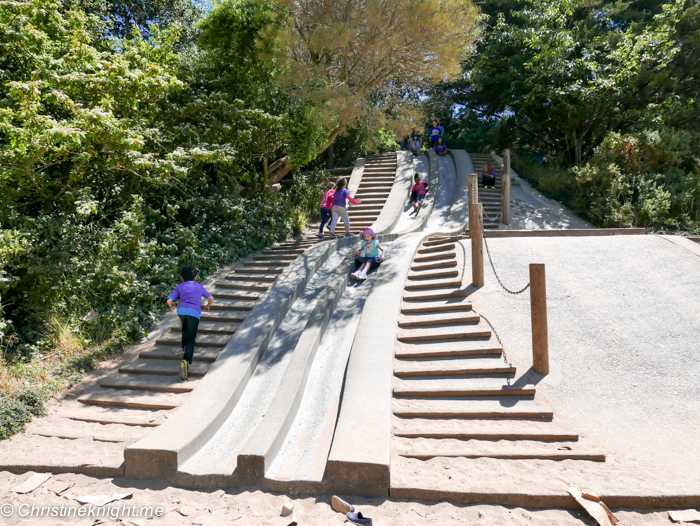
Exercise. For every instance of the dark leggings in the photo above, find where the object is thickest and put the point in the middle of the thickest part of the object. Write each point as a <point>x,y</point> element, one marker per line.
<point>325,216</point>
<point>189,335</point>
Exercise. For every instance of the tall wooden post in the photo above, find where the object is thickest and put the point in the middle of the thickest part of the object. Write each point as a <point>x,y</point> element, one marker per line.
<point>538,308</point>
<point>505,214</point>
<point>477,237</point>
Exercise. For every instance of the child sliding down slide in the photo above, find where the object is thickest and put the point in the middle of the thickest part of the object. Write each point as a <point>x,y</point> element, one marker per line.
<point>368,254</point>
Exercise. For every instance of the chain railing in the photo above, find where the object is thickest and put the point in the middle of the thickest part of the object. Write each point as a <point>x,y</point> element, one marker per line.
<point>488,252</point>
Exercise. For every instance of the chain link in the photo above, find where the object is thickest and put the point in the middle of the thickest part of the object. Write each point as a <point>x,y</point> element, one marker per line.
<point>514,293</point>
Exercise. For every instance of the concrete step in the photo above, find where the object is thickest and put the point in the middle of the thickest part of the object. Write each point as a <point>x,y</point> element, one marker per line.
<point>441,248</point>
<point>172,339</point>
<point>430,266</point>
<point>448,349</point>
<point>163,368</point>
<point>432,296</point>
<point>201,354</point>
<point>133,399</point>
<point>453,391</point>
<point>484,452</point>
<point>144,382</point>
<point>443,318</point>
<point>452,367</point>
<point>444,256</point>
<point>434,284</point>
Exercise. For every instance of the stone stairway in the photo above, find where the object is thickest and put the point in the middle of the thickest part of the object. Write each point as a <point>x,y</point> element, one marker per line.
<point>377,179</point>
<point>453,394</point>
<point>121,403</point>
<point>490,198</point>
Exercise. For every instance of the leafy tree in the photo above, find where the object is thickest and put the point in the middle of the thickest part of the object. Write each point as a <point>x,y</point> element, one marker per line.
<point>339,56</point>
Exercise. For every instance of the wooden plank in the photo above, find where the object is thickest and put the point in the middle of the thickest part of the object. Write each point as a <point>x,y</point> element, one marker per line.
<point>447,370</point>
<point>453,391</point>
<point>450,263</point>
<point>474,413</point>
<point>437,319</point>
<point>593,456</point>
<point>550,436</point>
<point>163,367</point>
<point>201,354</point>
<point>164,384</point>
<point>417,307</point>
<point>133,399</point>
<point>431,296</point>
<point>446,333</point>
<point>441,248</point>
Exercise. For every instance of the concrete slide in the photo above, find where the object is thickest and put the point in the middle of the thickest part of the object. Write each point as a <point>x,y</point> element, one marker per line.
<point>281,405</point>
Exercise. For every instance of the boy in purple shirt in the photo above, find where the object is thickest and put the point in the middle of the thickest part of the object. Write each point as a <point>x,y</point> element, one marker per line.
<point>189,295</point>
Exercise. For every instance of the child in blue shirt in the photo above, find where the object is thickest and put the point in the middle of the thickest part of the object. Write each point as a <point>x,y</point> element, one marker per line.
<point>435,132</point>
<point>368,255</point>
<point>189,296</point>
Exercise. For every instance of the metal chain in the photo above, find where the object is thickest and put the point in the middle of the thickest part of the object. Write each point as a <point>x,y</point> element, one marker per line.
<point>493,329</point>
<point>514,293</point>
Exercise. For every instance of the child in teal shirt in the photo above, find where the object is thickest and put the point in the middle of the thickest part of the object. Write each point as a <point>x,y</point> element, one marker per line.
<point>368,255</point>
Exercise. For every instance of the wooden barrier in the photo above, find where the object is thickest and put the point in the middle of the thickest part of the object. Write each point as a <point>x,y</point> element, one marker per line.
<point>538,309</point>
<point>472,186</point>
<point>477,237</point>
<point>505,206</point>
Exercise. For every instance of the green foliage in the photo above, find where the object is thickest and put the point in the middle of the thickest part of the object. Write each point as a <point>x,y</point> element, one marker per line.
<point>14,415</point>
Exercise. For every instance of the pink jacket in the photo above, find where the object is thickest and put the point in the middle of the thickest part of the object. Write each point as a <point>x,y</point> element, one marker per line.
<point>327,199</point>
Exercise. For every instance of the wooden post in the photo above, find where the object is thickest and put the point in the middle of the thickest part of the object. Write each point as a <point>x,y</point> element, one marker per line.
<point>477,236</point>
<point>538,308</point>
<point>505,214</point>
<point>472,186</point>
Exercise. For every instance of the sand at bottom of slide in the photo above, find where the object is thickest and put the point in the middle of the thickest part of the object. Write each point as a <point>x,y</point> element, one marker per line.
<point>250,507</point>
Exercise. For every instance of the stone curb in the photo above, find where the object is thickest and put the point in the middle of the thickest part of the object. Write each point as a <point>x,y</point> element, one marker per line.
<point>400,190</point>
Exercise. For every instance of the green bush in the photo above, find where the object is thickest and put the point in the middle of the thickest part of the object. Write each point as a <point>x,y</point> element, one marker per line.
<point>14,415</point>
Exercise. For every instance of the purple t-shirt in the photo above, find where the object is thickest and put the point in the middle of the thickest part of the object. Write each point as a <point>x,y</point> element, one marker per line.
<point>190,295</point>
<point>340,197</point>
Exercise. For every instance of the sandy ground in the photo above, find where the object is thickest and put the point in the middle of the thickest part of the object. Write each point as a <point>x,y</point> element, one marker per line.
<point>250,507</point>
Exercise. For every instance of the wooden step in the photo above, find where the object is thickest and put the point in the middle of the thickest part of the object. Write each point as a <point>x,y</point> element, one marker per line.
<point>435,257</point>
<point>433,274</point>
<point>165,384</point>
<point>493,434</point>
<point>440,241</point>
<point>133,399</point>
<point>259,270</point>
<point>247,278</point>
<point>432,296</point>
<point>433,284</point>
<point>425,391</point>
<point>545,454</point>
<point>267,265</point>
<point>275,257</point>
<point>449,263</point>
<point>446,349</point>
<point>440,368</point>
<point>224,316</point>
<point>242,285</point>
<point>206,354</point>
<point>163,367</point>
<point>227,305</point>
<point>474,412</point>
<point>114,416</point>
<point>203,340</point>
<point>440,248</point>
<point>451,304</point>
<point>429,320</point>
<point>210,327</point>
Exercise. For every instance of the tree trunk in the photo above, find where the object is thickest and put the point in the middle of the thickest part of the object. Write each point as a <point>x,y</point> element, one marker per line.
<point>330,159</point>
<point>278,170</point>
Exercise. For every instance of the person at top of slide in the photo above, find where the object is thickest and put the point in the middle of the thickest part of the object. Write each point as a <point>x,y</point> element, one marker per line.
<point>340,206</point>
<point>488,177</point>
<point>415,142</point>
<point>440,147</point>
<point>435,132</point>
